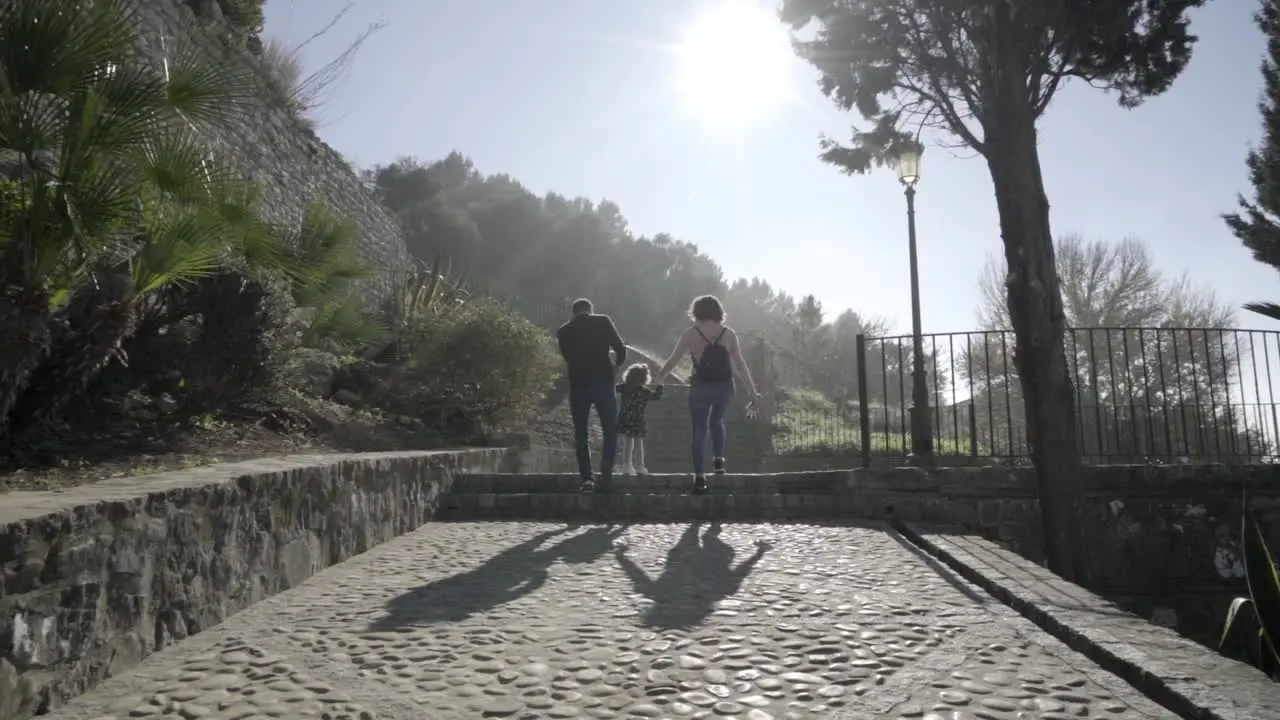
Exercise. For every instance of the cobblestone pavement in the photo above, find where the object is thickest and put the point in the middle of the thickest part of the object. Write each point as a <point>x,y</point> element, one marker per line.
<point>462,621</point>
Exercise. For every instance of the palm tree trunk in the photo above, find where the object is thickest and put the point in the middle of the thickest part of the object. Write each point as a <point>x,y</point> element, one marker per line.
<point>78,362</point>
<point>25,325</point>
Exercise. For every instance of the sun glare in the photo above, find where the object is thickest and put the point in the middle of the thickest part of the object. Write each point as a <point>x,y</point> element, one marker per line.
<point>733,63</point>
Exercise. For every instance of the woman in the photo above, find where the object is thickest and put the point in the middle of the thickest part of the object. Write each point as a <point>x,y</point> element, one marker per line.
<point>717,358</point>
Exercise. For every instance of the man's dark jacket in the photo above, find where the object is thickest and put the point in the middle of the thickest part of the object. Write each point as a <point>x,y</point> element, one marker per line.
<point>585,342</point>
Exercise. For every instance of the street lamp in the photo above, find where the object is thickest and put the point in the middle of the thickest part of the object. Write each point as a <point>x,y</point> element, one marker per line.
<point>908,165</point>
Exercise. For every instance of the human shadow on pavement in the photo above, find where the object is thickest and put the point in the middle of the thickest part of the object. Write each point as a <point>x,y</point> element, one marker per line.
<point>697,574</point>
<point>507,576</point>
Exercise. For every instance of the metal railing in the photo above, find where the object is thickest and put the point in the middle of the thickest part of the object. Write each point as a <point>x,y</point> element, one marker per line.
<point>1142,395</point>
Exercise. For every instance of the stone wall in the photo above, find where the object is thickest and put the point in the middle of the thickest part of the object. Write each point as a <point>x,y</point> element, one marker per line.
<point>274,149</point>
<point>1165,542</point>
<point>96,578</point>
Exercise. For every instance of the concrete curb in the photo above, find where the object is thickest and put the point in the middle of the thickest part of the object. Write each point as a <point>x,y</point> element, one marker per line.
<point>1179,674</point>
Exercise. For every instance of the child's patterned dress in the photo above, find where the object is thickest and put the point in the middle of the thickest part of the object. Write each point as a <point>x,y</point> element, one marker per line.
<point>631,411</point>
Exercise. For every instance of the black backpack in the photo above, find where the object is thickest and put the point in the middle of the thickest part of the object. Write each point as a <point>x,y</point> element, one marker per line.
<point>715,364</point>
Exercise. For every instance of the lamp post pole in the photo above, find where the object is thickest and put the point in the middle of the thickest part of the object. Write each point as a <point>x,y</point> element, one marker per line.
<point>921,414</point>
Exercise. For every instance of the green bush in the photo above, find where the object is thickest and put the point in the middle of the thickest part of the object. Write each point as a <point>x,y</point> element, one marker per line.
<point>481,367</point>
<point>242,347</point>
<point>219,344</point>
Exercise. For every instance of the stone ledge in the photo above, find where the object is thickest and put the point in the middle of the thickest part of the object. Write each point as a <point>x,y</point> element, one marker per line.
<point>1176,672</point>
<point>676,506</point>
<point>978,482</point>
<point>94,579</point>
<point>635,507</point>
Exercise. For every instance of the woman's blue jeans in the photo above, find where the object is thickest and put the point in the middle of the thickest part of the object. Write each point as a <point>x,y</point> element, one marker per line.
<point>708,402</point>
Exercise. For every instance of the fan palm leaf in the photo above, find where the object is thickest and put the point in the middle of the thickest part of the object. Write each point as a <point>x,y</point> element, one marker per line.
<point>322,257</point>
<point>1266,309</point>
<point>344,323</point>
<point>92,120</point>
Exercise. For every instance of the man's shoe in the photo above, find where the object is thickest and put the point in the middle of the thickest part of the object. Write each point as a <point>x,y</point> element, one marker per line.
<point>717,466</point>
<point>587,486</point>
<point>699,485</point>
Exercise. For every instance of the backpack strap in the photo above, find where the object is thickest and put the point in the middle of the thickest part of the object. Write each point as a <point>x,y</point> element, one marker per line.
<point>692,358</point>
<point>723,330</point>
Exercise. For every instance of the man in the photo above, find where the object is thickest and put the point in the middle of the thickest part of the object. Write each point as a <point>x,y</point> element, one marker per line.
<point>585,342</point>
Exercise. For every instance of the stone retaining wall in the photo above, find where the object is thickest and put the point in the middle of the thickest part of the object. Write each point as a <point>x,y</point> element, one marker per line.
<point>96,578</point>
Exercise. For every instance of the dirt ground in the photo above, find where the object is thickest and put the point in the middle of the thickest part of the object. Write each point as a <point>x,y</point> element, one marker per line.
<point>80,456</point>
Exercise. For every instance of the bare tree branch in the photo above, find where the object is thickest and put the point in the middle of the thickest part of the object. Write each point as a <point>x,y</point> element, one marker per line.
<point>310,93</point>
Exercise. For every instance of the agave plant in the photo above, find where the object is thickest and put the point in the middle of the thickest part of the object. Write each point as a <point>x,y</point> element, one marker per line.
<point>1263,603</point>
<point>101,146</point>
<point>418,295</point>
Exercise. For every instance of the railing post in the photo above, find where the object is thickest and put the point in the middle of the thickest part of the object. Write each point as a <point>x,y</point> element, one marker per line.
<point>864,412</point>
<point>973,428</point>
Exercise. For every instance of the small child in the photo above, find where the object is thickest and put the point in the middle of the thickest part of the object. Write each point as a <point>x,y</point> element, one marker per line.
<point>635,398</point>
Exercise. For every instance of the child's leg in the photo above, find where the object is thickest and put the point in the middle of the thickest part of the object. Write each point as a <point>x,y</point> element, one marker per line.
<point>640,454</point>
<point>628,447</point>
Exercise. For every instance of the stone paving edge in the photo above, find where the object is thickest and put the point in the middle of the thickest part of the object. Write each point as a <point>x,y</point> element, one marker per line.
<point>1179,674</point>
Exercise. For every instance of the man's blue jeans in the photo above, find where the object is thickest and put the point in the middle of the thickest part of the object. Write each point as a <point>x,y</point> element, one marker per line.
<point>708,402</point>
<point>581,400</point>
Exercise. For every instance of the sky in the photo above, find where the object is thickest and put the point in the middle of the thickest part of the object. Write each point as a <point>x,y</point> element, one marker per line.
<point>618,100</point>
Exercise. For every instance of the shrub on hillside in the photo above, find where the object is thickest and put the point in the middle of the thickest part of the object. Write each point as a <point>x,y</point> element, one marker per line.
<point>245,338</point>
<point>478,368</point>
<point>211,345</point>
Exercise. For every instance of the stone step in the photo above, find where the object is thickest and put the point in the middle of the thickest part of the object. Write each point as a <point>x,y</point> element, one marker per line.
<point>833,482</point>
<point>661,507</point>
<point>973,498</point>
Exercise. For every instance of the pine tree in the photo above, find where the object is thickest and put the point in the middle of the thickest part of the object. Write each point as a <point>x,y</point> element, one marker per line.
<point>1257,223</point>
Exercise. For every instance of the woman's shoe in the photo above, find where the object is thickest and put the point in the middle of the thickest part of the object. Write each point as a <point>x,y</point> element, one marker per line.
<point>642,470</point>
<point>717,466</point>
<point>699,485</point>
